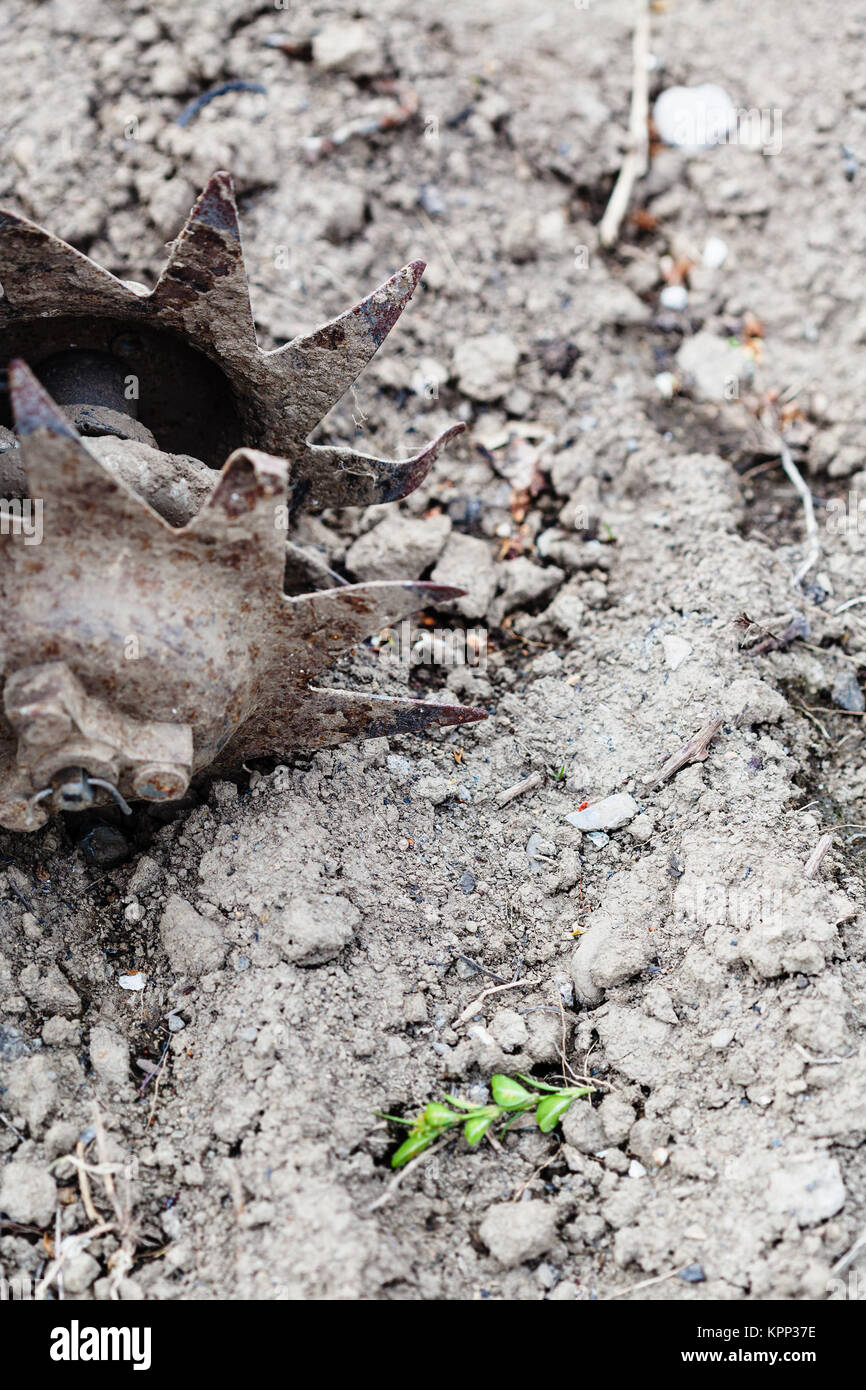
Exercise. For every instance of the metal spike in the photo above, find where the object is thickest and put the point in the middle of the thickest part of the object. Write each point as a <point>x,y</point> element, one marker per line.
<point>325,718</point>
<point>42,275</point>
<point>247,508</point>
<point>333,477</point>
<point>319,627</point>
<point>317,369</point>
<point>204,282</point>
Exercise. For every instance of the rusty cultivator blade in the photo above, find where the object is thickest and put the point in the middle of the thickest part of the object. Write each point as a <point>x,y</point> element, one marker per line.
<point>145,634</point>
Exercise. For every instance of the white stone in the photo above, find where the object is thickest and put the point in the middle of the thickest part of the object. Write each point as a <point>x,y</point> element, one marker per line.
<point>611,813</point>
<point>134,982</point>
<point>715,252</point>
<point>694,118</point>
<point>666,385</point>
<point>674,297</point>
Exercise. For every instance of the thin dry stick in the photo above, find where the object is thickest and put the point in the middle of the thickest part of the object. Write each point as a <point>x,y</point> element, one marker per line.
<point>234,1186</point>
<point>823,1061</point>
<point>156,1080</point>
<point>106,1168</point>
<point>846,1259</point>
<point>71,1245</point>
<point>695,751</point>
<point>794,476</point>
<point>636,161</point>
<point>125,1225</point>
<point>405,111</point>
<point>645,1283</point>
<point>410,1167</point>
<point>58,1236</point>
<point>568,1072</point>
<point>813,719</point>
<point>832,709</point>
<point>813,863</point>
<point>538,1171</point>
<point>9,1125</point>
<point>84,1185</point>
<point>528,784</point>
<point>473,1008</point>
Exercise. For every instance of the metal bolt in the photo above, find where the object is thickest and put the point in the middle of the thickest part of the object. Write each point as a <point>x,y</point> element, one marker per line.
<point>159,782</point>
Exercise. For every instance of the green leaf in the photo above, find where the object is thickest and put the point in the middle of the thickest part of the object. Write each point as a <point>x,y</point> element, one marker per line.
<point>509,1093</point>
<point>551,1110</point>
<point>439,1116</point>
<point>477,1126</point>
<point>540,1085</point>
<point>412,1147</point>
<point>463,1104</point>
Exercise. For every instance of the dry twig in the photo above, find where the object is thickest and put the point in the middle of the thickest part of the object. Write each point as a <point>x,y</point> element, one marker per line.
<point>813,863</point>
<point>406,110</point>
<point>695,751</point>
<point>794,476</point>
<point>472,1009</point>
<point>124,1225</point>
<point>528,784</point>
<point>646,1283</point>
<point>410,1168</point>
<point>636,161</point>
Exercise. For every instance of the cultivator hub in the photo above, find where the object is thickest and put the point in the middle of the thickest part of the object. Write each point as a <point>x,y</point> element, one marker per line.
<point>145,629</point>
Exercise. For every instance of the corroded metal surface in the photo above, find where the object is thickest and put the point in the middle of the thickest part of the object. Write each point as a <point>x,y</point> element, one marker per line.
<point>54,297</point>
<point>143,652</point>
<point>145,634</point>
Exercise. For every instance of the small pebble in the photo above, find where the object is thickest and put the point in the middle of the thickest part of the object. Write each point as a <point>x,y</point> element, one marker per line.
<point>666,385</point>
<point>693,1274</point>
<point>674,297</point>
<point>133,982</point>
<point>598,838</point>
<point>611,813</point>
<point>104,847</point>
<point>694,118</point>
<point>715,252</point>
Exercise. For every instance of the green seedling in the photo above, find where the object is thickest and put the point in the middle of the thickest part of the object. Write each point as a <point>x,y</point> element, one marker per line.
<point>510,1099</point>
